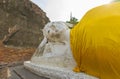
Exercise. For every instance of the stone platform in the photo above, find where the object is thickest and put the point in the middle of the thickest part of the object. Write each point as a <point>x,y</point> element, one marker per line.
<point>55,72</point>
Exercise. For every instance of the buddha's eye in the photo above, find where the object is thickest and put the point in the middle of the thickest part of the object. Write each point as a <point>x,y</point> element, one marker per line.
<point>48,31</point>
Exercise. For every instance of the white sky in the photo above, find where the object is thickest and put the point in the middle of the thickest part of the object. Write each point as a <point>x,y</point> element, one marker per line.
<point>59,10</point>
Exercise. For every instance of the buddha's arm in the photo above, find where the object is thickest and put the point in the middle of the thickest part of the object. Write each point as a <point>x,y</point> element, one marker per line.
<point>40,49</point>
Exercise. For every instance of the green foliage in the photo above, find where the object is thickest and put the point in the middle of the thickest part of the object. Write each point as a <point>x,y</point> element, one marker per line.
<point>73,20</point>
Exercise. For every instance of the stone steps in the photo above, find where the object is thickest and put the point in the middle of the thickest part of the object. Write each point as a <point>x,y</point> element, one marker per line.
<point>13,75</point>
<point>19,72</point>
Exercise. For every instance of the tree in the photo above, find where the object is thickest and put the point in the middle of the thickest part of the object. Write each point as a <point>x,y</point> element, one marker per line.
<point>72,20</point>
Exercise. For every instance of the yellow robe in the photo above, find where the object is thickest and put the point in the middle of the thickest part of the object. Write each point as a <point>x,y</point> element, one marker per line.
<point>95,42</point>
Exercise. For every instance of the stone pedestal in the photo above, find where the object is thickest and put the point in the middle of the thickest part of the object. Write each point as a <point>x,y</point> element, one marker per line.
<point>55,72</point>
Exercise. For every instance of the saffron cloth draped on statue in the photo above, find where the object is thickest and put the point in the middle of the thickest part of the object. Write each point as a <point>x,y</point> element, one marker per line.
<point>95,42</point>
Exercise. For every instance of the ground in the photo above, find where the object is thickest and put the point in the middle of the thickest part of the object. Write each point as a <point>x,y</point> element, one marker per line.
<point>12,54</point>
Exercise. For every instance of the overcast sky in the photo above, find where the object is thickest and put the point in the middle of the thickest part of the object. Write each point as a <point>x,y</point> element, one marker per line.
<point>59,10</point>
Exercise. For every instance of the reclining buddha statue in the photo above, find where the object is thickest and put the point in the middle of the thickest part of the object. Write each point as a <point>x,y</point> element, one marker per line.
<point>90,50</point>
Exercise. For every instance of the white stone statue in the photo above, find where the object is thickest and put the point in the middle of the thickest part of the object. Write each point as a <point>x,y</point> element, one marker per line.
<point>55,46</point>
<point>53,58</point>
